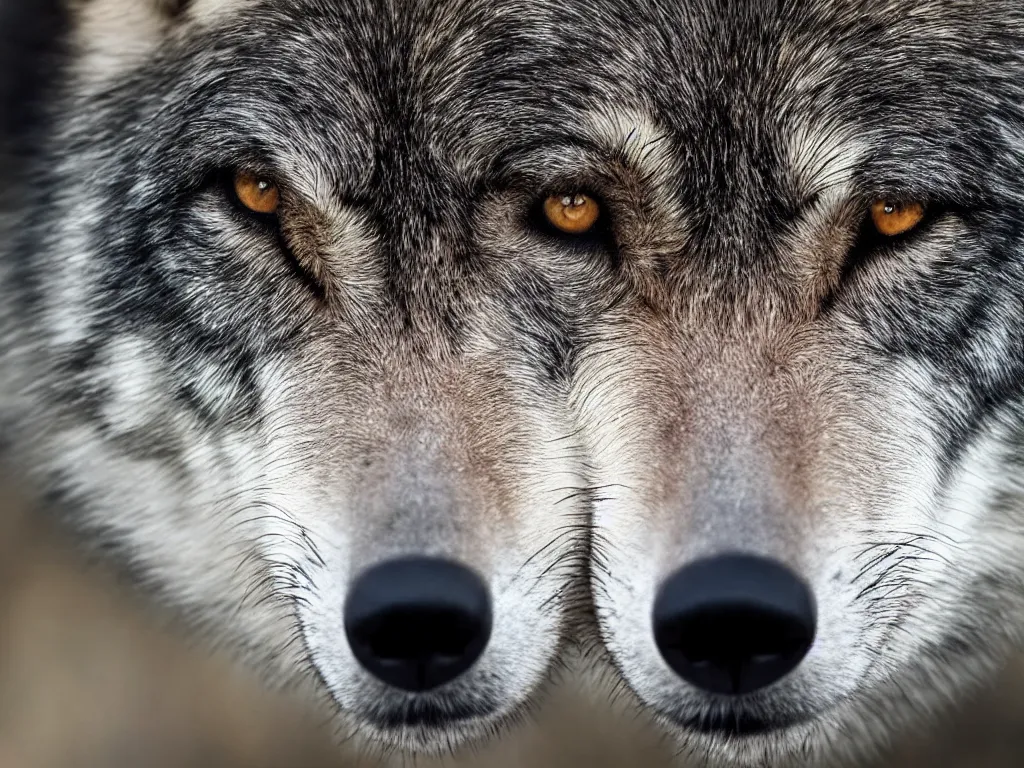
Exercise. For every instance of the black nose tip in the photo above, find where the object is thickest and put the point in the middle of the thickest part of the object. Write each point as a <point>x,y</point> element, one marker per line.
<point>418,623</point>
<point>734,623</point>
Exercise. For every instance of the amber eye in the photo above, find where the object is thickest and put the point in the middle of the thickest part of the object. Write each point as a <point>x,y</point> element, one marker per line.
<point>573,214</point>
<point>257,194</point>
<point>892,219</point>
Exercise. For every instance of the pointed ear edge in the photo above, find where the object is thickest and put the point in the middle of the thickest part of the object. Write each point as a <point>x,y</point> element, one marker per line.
<point>169,9</point>
<point>109,37</point>
<point>173,9</point>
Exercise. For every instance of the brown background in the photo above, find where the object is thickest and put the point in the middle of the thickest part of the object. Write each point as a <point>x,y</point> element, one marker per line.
<point>85,683</point>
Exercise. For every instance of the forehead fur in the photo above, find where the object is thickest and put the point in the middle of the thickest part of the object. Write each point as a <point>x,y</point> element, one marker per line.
<point>744,111</point>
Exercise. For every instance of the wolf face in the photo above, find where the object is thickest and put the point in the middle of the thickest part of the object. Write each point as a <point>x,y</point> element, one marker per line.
<point>277,336</point>
<point>800,383</point>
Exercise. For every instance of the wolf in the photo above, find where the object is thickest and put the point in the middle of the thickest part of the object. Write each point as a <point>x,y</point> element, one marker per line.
<point>278,341</point>
<point>800,375</point>
<point>332,321</point>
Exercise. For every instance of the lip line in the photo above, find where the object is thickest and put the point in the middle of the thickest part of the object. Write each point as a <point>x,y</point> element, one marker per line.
<point>706,724</point>
<point>430,715</point>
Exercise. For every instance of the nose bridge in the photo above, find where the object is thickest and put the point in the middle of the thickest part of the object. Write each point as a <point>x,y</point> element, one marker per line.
<point>734,497</point>
<point>422,486</point>
<point>413,497</point>
<point>741,486</point>
<point>413,489</point>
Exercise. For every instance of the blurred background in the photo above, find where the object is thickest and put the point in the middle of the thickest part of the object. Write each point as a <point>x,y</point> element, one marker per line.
<point>87,681</point>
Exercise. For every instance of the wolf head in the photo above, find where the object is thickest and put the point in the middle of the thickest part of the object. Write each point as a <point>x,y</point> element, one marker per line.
<point>278,339</point>
<point>801,383</point>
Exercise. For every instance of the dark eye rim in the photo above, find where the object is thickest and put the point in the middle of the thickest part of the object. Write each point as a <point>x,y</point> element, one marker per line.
<point>869,242</point>
<point>600,236</point>
<point>222,182</point>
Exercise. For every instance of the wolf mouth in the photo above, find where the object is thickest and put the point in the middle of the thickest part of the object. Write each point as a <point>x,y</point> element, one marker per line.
<point>739,723</point>
<point>435,714</point>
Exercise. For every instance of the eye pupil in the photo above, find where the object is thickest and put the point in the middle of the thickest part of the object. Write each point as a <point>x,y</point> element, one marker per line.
<point>259,195</point>
<point>892,219</point>
<point>573,214</point>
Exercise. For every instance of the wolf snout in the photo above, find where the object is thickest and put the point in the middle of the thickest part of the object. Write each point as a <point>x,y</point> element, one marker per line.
<point>733,624</point>
<point>418,623</point>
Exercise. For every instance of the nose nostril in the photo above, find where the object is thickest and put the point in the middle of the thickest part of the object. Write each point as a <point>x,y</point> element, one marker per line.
<point>734,624</point>
<point>418,623</point>
<point>408,634</point>
<point>743,630</point>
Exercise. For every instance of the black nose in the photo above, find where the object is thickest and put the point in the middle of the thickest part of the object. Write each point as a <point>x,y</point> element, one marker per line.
<point>418,623</point>
<point>735,623</point>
